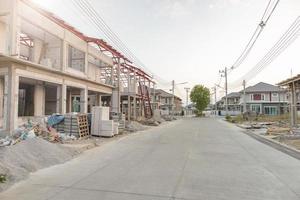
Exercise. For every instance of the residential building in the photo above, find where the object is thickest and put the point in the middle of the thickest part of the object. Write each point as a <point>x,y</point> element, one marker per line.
<point>163,101</point>
<point>262,98</point>
<point>234,107</point>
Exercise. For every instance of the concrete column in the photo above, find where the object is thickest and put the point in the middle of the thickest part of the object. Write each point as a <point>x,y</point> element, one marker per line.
<point>37,50</point>
<point>13,44</point>
<point>99,100</point>
<point>70,101</point>
<point>61,99</point>
<point>115,104</point>
<point>39,100</point>
<point>83,100</point>
<point>11,97</point>
<point>129,108</point>
<point>129,96</point>
<point>293,108</point>
<point>134,107</point>
<point>1,96</point>
<point>64,55</point>
<point>134,95</point>
<point>86,60</point>
<point>119,85</point>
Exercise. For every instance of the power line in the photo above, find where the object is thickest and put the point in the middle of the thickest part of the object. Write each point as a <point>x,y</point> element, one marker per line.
<point>97,20</point>
<point>260,27</point>
<point>281,45</point>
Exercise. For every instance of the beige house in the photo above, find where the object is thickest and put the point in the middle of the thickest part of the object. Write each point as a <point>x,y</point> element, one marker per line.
<point>163,101</point>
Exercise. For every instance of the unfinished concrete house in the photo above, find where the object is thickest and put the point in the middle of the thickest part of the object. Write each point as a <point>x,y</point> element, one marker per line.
<point>292,85</point>
<point>135,95</point>
<point>166,102</point>
<point>47,66</point>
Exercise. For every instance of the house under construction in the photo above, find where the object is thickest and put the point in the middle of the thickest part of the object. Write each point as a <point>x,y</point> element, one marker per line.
<point>47,66</point>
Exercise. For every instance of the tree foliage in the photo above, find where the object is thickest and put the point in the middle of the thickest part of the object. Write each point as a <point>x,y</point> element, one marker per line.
<point>200,96</point>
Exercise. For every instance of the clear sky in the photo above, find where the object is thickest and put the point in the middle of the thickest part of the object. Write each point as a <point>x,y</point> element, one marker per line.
<point>191,40</point>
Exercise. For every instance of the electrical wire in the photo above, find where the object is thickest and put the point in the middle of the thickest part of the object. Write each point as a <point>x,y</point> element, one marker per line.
<point>102,26</point>
<point>281,45</point>
<point>260,27</point>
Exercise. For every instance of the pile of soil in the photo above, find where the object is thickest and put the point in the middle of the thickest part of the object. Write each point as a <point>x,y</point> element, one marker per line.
<point>134,126</point>
<point>28,156</point>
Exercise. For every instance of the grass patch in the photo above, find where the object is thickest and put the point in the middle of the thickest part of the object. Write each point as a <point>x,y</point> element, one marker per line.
<point>259,118</point>
<point>2,178</point>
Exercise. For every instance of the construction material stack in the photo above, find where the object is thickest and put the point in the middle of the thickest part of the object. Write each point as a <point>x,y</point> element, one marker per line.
<point>101,125</point>
<point>122,122</point>
<point>76,124</point>
<point>119,121</point>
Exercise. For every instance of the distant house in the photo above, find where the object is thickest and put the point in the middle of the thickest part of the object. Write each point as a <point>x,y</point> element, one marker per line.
<point>262,98</point>
<point>234,101</point>
<point>190,109</point>
<point>163,101</point>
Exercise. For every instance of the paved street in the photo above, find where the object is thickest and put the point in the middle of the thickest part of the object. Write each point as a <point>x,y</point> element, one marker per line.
<point>187,159</point>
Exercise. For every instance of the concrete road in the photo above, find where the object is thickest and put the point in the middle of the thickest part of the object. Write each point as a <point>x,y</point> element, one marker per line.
<point>187,159</point>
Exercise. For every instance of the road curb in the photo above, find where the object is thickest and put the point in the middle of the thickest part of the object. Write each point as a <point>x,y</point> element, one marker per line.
<point>275,144</point>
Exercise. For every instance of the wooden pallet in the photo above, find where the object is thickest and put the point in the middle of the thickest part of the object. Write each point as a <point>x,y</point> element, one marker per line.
<point>83,126</point>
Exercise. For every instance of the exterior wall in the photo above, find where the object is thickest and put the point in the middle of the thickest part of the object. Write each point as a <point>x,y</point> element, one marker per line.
<point>3,33</point>
<point>15,71</point>
<point>164,103</point>
<point>94,73</point>
<point>269,97</point>
<point>271,100</point>
<point>278,108</point>
<point>230,112</point>
<point>28,17</point>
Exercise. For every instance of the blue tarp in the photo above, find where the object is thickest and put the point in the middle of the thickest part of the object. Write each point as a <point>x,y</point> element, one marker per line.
<point>55,119</point>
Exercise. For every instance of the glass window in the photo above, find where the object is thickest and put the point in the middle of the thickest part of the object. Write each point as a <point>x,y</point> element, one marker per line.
<point>271,110</point>
<point>255,108</point>
<point>258,97</point>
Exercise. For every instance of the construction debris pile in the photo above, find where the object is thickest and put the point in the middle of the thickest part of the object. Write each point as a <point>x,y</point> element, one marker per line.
<point>134,126</point>
<point>156,119</point>
<point>279,131</point>
<point>56,128</point>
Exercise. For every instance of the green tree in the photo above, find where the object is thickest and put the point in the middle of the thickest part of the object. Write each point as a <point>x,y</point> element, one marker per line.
<point>200,95</point>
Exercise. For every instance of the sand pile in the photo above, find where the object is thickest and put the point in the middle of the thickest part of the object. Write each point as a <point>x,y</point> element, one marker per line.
<point>134,126</point>
<point>17,161</point>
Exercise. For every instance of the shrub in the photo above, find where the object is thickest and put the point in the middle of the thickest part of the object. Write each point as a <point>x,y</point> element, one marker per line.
<point>2,178</point>
<point>228,118</point>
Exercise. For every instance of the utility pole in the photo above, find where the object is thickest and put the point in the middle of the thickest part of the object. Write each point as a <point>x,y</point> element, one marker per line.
<point>187,95</point>
<point>224,74</point>
<point>244,97</point>
<point>154,98</point>
<point>215,91</point>
<point>187,99</point>
<point>226,91</point>
<point>119,85</point>
<point>173,97</point>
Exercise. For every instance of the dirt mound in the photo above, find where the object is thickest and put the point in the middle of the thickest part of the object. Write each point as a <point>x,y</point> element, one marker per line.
<point>19,160</point>
<point>134,126</point>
